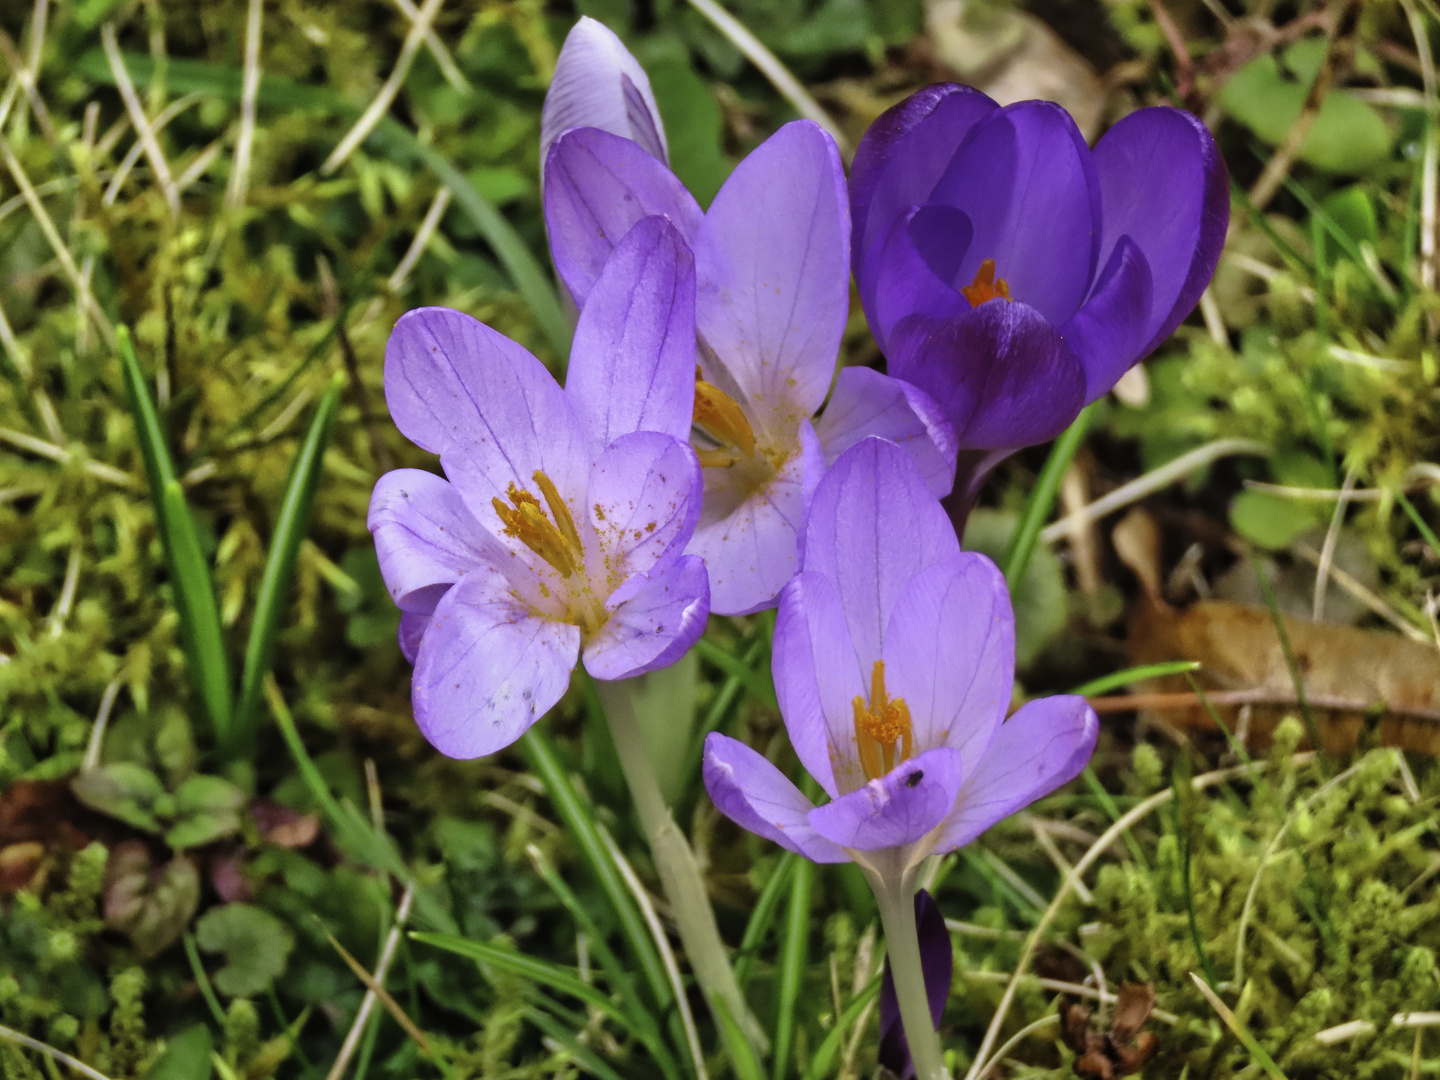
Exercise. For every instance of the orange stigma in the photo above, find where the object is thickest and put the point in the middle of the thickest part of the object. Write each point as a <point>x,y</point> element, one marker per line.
<point>558,543</point>
<point>986,285</point>
<point>880,726</point>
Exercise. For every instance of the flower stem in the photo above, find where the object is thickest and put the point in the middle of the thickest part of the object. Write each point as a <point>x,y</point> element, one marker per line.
<point>679,872</point>
<point>896,899</point>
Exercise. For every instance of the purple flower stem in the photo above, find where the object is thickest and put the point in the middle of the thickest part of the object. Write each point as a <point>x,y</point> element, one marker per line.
<point>680,875</point>
<point>895,896</point>
<point>971,471</point>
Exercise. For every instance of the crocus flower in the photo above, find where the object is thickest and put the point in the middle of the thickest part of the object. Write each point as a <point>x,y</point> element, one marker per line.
<point>894,658</point>
<point>772,273</point>
<point>561,525</point>
<point>1015,274</point>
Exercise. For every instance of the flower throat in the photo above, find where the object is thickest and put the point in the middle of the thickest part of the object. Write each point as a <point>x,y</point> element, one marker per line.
<point>880,726</point>
<point>557,542</point>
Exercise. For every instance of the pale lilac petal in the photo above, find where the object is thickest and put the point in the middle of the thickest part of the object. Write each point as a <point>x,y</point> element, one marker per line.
<point>1025,179</point>
<point>488,667</point>
<point>1164,184</point>
<point>817,677</point>
<point>485,405</point>
<point>1000,373</point>
<point>598,84</point>
<point>757,796</point>
<point>950,653</point>
<point>632,365</point>
<point>644,503</point>
<point>425,537</point>
<point>1110,332</point>
<point>915,270</point>
<point>654,620</point>
<point>902,156</point>
<point>865,403</point>
<point>773,260</point>
<point>412,630</point>
<point>873,526</point>
<point>1047,743</point>
<point>752,546</point>
<point>597,186</point>
<point>897,808</point>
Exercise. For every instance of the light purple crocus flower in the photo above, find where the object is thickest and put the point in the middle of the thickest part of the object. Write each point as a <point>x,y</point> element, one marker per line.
<point>561,526</point>
<point>1013,273</point>
<point>772,272</point>
<point>894,658</point>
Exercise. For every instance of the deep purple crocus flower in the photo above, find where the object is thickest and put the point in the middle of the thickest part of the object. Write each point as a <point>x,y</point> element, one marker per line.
<point>772,270</point>
<point>1013,273</point>
<point>563,519</point>
<point>894,659</point>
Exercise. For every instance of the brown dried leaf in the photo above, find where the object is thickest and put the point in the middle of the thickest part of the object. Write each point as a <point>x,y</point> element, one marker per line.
<point>18,863</point>
<point>1136,1002</point>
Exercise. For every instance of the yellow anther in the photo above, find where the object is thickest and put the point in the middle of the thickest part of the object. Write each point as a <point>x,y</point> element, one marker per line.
<point>557,543</point>
<point>986,285</point>
<point>719,416</point>
<point>880,725</point>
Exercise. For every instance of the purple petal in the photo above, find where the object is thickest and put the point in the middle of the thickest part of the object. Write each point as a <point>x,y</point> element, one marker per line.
<point>488,667</point>
<point>903,154</point>
<point>950,653</point>
<point>750,539</point>
<point>873,526</point>
<point>1044,745</point>
<point>598,84</point>
<point>916,268</point>
<point>866,403</point>
<point>632,366</point>
<point>412,630</point>
<point>1025,178</point>
<point>1164,184</point>
<point>597,186</point>
<point>644,503</point>
<point>897,808</point>
<point>773,259</point>
<point>425,537</point>
<point>1110,332</point>
<point>1001,374</point>
<point>937,965</point>
<point>817,677</point>
<point>754,794</point>
<point>485,405</point>
<point>654,619</point>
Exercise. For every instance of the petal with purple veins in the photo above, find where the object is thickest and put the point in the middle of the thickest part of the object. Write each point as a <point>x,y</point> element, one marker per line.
<point>757,796</point>
<point>897,808</point>
<point>644,503</point>
<point>653,621</point>
<point>425,537</point>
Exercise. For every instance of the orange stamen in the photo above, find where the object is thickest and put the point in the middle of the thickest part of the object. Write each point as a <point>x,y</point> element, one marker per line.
<point>719,416</point>
<point>880,726</point>
<point>558,543</point>
<point>986,285</point>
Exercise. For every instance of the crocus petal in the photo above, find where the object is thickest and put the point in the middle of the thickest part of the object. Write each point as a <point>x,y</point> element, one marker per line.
<point>597,186</point>
<point>654,619</point>
<point>897,808</point>
<point>937,965</point>
<point>816,679</point>
<point>915,270</point>
<point>485,405</point>
<point>865,403</point>
<point>773,259</point>
<point>644,503</point>
<point>1025,178</point>
<point>1164,184</point>
<point>425,537</point>
<point>950,653</point>
<point>757,796</point>
<point>1000,373</point>
<point>488,667</point>
<point>598,84</point>
<point>753,549</point>
<point>412,629</point>
<point>873,526</point>
<point>1044,745</point>
<point>1111,331</point>
<point>903,154</point>
<point>632,365</point>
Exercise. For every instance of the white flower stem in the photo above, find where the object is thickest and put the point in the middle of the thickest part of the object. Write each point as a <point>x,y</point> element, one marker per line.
<point>680,875</point>
<point>896,898</point>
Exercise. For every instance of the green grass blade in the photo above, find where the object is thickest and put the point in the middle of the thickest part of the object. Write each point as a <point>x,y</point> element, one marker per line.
<point>756,682</point>
<point>822,1064</point>
<point>1242,1033</point>
<point>1106,683</point>
<point>1297,679</point>
<point>586,1059</point>
<point>291,524</point>
<point>794,951</point>
<point>763,916</point>
<point>742,1056</point>
<point>1041,499</point>
<point>1414,516</point>
<point>201,635</point>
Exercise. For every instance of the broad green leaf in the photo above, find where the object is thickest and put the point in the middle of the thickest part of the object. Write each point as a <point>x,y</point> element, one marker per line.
<point>1268,520</point>
<point>125,791</point>
<point>206,808</point>
<point>186,1056</point>
<point>692,121</point>
<point>256,946</point>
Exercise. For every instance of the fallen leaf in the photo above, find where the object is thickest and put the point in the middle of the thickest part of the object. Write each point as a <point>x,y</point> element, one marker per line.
<point>18,863</point>
<point>151,905</point>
